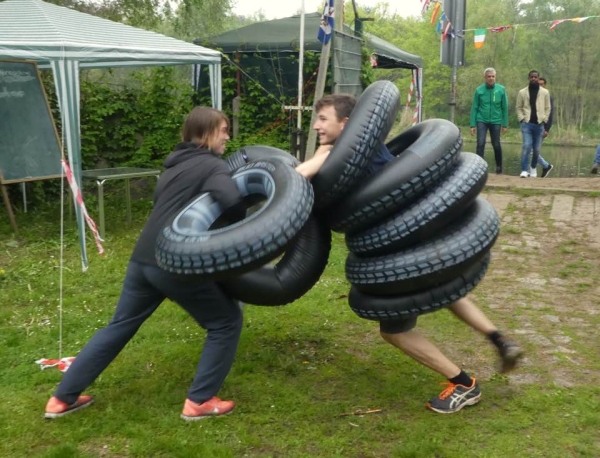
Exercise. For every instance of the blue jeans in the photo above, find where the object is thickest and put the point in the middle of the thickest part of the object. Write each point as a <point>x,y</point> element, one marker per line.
<point>144,288</point>
<point>597,158</point>
<point>532,141</point>
<point>543,162</point>
<point>482,128</point>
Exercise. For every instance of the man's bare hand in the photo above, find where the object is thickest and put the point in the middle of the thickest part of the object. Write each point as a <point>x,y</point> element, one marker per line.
<point>472,131</point>
<point>545,134</point>
<point>504,130</point>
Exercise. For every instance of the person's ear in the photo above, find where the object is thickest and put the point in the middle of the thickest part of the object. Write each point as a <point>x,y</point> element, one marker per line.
<point>344,121</point>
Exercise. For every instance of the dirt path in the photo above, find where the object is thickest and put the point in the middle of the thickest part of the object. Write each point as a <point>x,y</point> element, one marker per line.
<point>555,184</point>
<point>543,285</point>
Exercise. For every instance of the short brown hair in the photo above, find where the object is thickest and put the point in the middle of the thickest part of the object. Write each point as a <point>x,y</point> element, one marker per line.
<point>202,126</point>
<point>343,104</point>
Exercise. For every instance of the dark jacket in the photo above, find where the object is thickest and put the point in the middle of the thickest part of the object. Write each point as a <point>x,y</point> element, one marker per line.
<point>190,170</point>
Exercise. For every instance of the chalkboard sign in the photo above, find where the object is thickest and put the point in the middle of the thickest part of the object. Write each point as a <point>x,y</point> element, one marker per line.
<point>29,144</point>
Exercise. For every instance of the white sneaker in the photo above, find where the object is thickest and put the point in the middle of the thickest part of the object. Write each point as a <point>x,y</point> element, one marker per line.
<point>524,174</point>
<point>533,173</point>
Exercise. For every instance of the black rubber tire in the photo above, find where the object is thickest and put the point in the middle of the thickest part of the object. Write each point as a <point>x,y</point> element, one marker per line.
<point>425,217</point>
<point>398,307</point>
<point>425,153</point>
<point>368,126</point>
<point>257,152</point>
<point>188,247</point>
<point>293,276</point>
<point>431,263</point>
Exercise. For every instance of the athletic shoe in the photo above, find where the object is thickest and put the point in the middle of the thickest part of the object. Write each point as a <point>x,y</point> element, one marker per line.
<point>524,174</point>
<point>211,408</point>
<point>498,170</point>
<point>510,353</point>
<point>594,170</point>
<point>547,170</point>
<point>455,397</point>
<point>56,408</point>
<point>533,172</point>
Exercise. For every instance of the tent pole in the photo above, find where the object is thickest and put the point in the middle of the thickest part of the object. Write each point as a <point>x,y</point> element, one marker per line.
<point>301,67</point>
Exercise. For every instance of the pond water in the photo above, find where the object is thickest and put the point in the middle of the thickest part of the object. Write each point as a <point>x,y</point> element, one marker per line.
<point>568,161</point>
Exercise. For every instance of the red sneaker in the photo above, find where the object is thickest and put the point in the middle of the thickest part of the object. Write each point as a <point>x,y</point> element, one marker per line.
<point>57,408</point>
<point>211,408</point>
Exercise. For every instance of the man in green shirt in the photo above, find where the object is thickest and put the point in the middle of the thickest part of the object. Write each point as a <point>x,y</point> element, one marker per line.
<point>489,111</point>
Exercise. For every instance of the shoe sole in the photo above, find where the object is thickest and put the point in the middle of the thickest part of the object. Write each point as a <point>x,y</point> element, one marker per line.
<point>202,417</point>
<point>509,361</point>
<point>469,402</point>
<point>51,415</point>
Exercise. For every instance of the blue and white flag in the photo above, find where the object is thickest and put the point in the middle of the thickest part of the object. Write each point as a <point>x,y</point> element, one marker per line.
<point>326,27</point>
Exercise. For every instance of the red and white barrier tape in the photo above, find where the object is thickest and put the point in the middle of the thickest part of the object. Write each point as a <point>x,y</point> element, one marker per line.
<point>410,91</point>
<point>79,199</point>
<point>62,364</point>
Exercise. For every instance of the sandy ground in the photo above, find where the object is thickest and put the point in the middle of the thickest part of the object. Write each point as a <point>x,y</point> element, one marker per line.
<point>556,184</point>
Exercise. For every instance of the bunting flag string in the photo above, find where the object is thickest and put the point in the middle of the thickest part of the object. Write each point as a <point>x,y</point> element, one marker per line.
<point>552,24</point>
<point>444,26</point>
<point>480,33</point>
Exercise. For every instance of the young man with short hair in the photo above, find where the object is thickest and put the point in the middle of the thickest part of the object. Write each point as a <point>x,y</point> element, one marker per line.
<point>462,390</point>
<point>533,110</point>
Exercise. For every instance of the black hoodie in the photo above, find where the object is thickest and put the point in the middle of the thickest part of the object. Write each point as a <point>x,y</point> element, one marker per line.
<point>190,170</point>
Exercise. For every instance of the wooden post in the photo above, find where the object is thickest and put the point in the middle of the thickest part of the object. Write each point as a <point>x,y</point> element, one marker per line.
<point>8,205</point>
<point>319,89</point>
<point>338,14</point>
<point>236,116</point>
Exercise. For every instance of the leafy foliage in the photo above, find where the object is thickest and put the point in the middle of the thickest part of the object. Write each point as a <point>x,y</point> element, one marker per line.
<point>133,124</point>
<point>566,56</point>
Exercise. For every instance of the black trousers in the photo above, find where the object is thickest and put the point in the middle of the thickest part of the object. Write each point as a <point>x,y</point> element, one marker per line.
<point>482,128</point>
<point>144,289</point>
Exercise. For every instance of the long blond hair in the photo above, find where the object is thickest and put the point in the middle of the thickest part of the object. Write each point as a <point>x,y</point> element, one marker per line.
<point>202,126</point>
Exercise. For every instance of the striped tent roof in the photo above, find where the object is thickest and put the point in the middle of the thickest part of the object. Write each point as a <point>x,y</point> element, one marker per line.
<point>43,32</point>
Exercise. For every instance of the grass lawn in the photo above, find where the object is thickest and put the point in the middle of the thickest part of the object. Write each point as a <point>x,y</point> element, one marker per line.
<point>301,367</point>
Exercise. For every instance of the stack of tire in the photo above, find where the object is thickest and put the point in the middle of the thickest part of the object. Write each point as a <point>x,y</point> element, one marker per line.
<point>418,234</point>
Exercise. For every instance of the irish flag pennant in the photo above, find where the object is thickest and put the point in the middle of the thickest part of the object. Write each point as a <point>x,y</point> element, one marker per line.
<point>479,38</point>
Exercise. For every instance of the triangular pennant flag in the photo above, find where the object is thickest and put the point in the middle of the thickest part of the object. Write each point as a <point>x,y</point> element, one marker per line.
<point>446,31</point>
<point>436,11</point>
<point>479,38</point>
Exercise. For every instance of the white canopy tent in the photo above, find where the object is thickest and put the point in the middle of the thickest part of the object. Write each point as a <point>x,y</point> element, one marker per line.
<point>67,40</point>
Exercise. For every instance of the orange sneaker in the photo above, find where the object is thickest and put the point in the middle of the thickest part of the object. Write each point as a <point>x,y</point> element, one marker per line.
<point>211,408</point>
<point>56,408</point>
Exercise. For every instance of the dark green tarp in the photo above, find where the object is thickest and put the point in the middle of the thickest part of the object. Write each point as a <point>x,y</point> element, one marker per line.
<point>283,35</point>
